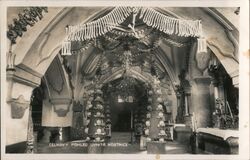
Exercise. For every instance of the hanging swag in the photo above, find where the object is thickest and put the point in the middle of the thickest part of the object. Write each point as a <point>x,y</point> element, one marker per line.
<point>151,17</point>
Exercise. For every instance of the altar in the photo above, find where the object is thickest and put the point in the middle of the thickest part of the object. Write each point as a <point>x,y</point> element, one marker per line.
<point>218,141</point>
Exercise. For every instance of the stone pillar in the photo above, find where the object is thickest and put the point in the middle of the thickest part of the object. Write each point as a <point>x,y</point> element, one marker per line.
<point>186,104</point>
<point>220,87</point>
<point>180,101</point>
<point>201,101</point>
<point>20,82</point>
<point>187,94</point>
<point>178,95</point>
<point>216,92</point>
<point>17,112</point>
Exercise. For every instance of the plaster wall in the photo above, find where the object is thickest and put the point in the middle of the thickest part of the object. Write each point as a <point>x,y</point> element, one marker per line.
<point>16,129</point>
<point>51,119</point>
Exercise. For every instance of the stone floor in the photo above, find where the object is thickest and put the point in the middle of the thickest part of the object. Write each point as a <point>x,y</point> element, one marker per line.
<point>119,143</point>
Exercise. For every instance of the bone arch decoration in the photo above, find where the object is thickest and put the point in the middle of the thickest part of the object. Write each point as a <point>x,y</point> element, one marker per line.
<point>28,17</point>
<point>151,17</point>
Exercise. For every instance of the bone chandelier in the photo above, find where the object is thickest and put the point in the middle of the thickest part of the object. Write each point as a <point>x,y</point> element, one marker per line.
<point>149,16</point>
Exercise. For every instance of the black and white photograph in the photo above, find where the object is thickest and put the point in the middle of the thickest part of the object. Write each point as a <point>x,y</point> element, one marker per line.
<point>129,81</point>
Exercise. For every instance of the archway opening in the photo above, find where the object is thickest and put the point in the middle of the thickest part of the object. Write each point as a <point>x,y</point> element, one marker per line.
<point>127,101</point>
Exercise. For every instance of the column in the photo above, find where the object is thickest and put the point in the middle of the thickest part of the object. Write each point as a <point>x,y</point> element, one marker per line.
<point>216,92</point>
<point>186,105</point>
<point>17,115</point>
<point>201,101</point>
<point>187,115</point>
<point>179,95</point>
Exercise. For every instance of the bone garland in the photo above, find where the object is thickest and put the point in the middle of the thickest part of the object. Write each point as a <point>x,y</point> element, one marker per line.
<point>201,42</point>
<point>171,25</point>
<point>94,29</point>
<point>85,47</point>
<point>151,17</point>
<point>66,47</point>
<point>202,45</point>
<point>98,27</point>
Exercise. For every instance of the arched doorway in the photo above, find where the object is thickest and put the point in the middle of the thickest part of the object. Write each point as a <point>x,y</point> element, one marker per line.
<point>128,97</point>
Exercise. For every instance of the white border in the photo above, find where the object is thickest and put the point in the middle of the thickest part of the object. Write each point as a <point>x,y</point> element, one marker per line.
<point>243,87</point>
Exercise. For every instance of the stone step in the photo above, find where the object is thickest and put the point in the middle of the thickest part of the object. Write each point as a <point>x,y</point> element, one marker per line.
<point>121,137</point>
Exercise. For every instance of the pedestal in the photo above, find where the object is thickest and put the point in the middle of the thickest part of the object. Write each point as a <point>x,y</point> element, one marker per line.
<point>46,136</point>
<point>182,134</point>
<point>95,148</point>
<point>156,147</point>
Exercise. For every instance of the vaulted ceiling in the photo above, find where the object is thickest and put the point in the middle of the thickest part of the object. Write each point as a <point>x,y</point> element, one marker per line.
<point>148,52</point>
<point>151,52</point>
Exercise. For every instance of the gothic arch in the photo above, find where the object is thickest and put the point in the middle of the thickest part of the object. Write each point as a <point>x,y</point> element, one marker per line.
<point>27,53</point>
<point>147,78</point>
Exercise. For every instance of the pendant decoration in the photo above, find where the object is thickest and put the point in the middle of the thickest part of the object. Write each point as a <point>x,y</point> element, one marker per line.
<point>151,17</point>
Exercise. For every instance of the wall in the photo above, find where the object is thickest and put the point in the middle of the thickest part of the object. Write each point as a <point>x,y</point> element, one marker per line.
<point>51,119</point>
<point>16,129</point>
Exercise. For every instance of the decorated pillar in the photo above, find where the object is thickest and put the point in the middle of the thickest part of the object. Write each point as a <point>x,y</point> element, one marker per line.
<point>139,120</point>
<point>30,135</point>
<point>77,129</point>
<point>87,114</point>
<point>97,122</point>
<point>107,118</point>
<point>156,134</point>
<point>155,123</point>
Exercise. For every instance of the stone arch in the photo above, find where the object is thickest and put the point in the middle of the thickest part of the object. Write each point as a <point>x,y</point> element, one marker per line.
<point>223,31</point>
<point>46,37</point>
<point>147,78</point>
<point>27,53</point>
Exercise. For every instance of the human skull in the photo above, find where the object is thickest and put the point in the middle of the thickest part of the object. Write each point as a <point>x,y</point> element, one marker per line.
<point>149,108</point>
<point>98,122</point>
<point>148,115</point>
<point>162,131</point>
<point>161,139</point>
<point>97,139</point>
<point>150,92</point>
<point>159,99</point>
<point>160,107</point>
<point>161,123</point>
<point>86,130</point>
<point>150,100</point>
<point>98,131</point>
<point>160,114</point>
<point>158,91</point>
